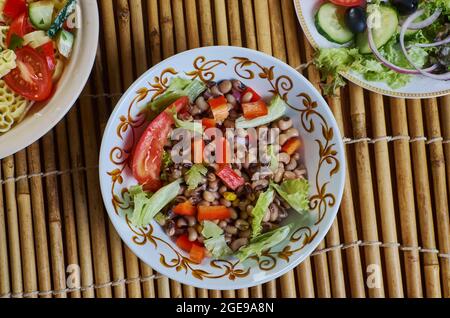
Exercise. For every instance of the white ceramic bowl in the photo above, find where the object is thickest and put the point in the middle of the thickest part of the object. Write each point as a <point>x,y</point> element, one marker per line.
<point>324,160</point>
<point>69,87</point>
<point>418,87</point>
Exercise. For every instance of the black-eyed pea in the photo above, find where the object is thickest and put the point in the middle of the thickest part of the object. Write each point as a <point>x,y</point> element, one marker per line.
<point>192,234</point>
<point>225,87</point>
<point>237,244</point>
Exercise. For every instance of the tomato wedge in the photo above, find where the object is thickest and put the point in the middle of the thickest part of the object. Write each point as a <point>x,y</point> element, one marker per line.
<point>184,243</point>
<point>197,253</point>
<point>348,3</point>
<point>255,109</point>
<point>14,8</point>
<point>147,156</point>
<point>31,78</point>
<point>19,27</point>
<point>48,52</point>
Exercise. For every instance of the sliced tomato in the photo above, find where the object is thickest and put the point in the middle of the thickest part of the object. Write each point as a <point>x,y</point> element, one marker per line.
<point>348,3</point>
<point>254,110</point>
<point>255,95</point>
<point>197,253</point>
<point>209,123</point>
<point>14,8</point>
<point>197,149</point>
<point>219,108</point>
<point>223,150</point>
<point>48,52</point>
<point>147,156</point>
<point>291,146</point>
<point>19,27</point>
<point>31,78</point>
<point>185,208</point>
<point>184,243</point>
<point>209,213</point>
<point>229,177</point>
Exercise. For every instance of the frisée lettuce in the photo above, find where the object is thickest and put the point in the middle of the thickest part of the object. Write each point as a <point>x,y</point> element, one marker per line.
<point>263,242</point>
<point>146,205</point>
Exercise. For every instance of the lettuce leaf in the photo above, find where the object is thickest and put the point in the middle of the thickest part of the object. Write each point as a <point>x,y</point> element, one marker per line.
<point>210,229</point>
<point>277,109</point>
<point>178,87</point>
<point>146,205</point>
<point>258,212</point>
<point>263,242</point>
<point>195,126</point>
<point>215,242</point>
<point>295,192</point>
<point>334,61</point>
<point>195,176</point>
<point>274,162</point>
<point>431,6</point>
<point>218,247</point>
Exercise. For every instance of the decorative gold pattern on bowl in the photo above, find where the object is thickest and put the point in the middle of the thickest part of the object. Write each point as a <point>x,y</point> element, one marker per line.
<point>320,201</point>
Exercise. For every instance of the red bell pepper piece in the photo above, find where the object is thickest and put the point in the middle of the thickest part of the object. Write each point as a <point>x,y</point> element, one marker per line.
<point>147,156</point>
<point>14,8</point>
<point>255,96</point>
<point>209,123</point>
<point>223,151</point>
<point>186,208</point>
<point>184,243</point>
<point>229,177</point>
<point>48,51</point>
<point>209,213</point>
<point>219,107</point>
<point>291,146</point>
<point>255,109</point>
<point>197,150</point>
<point>197,253</point>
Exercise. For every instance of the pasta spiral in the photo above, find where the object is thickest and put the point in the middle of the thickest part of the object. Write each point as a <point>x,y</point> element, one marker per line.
<point>6,120</point>
<point>12,107</point>
<point>3,34</point>
<point>7,62</point>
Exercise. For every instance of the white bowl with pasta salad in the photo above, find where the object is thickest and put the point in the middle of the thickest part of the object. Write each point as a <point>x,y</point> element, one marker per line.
<point>47,52</point>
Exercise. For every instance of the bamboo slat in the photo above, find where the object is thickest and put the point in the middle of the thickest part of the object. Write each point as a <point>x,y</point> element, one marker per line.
<point>26,226</point>
<point>424,205</point>
<point>406,198</point>
<point>394,213</point>
<point>385,199</point>
<point>16,287</point>
<point>365,188</point>
<point>439,186</point>
<point>4,264</point>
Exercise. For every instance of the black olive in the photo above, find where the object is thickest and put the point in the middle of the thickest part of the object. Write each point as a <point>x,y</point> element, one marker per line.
<point>356,19</point>
<point>405,7</point>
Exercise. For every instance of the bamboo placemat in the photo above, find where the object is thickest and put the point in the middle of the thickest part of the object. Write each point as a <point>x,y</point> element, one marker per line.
<point>392,230</point>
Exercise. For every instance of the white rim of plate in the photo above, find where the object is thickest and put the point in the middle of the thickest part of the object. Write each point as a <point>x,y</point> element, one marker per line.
<point>352,78</point>
<point>216,285</point>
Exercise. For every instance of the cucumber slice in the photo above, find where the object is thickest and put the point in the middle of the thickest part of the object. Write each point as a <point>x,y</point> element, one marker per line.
<point>64,43</point>
<point>330,22</point>
<point>382,34</point>
<point>41,14</point>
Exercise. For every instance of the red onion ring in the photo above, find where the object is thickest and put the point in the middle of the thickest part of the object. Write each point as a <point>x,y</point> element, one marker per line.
<point>427,22</point>
<point>388,64</point>
<point>409,20</point>
<point>439,43</point>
